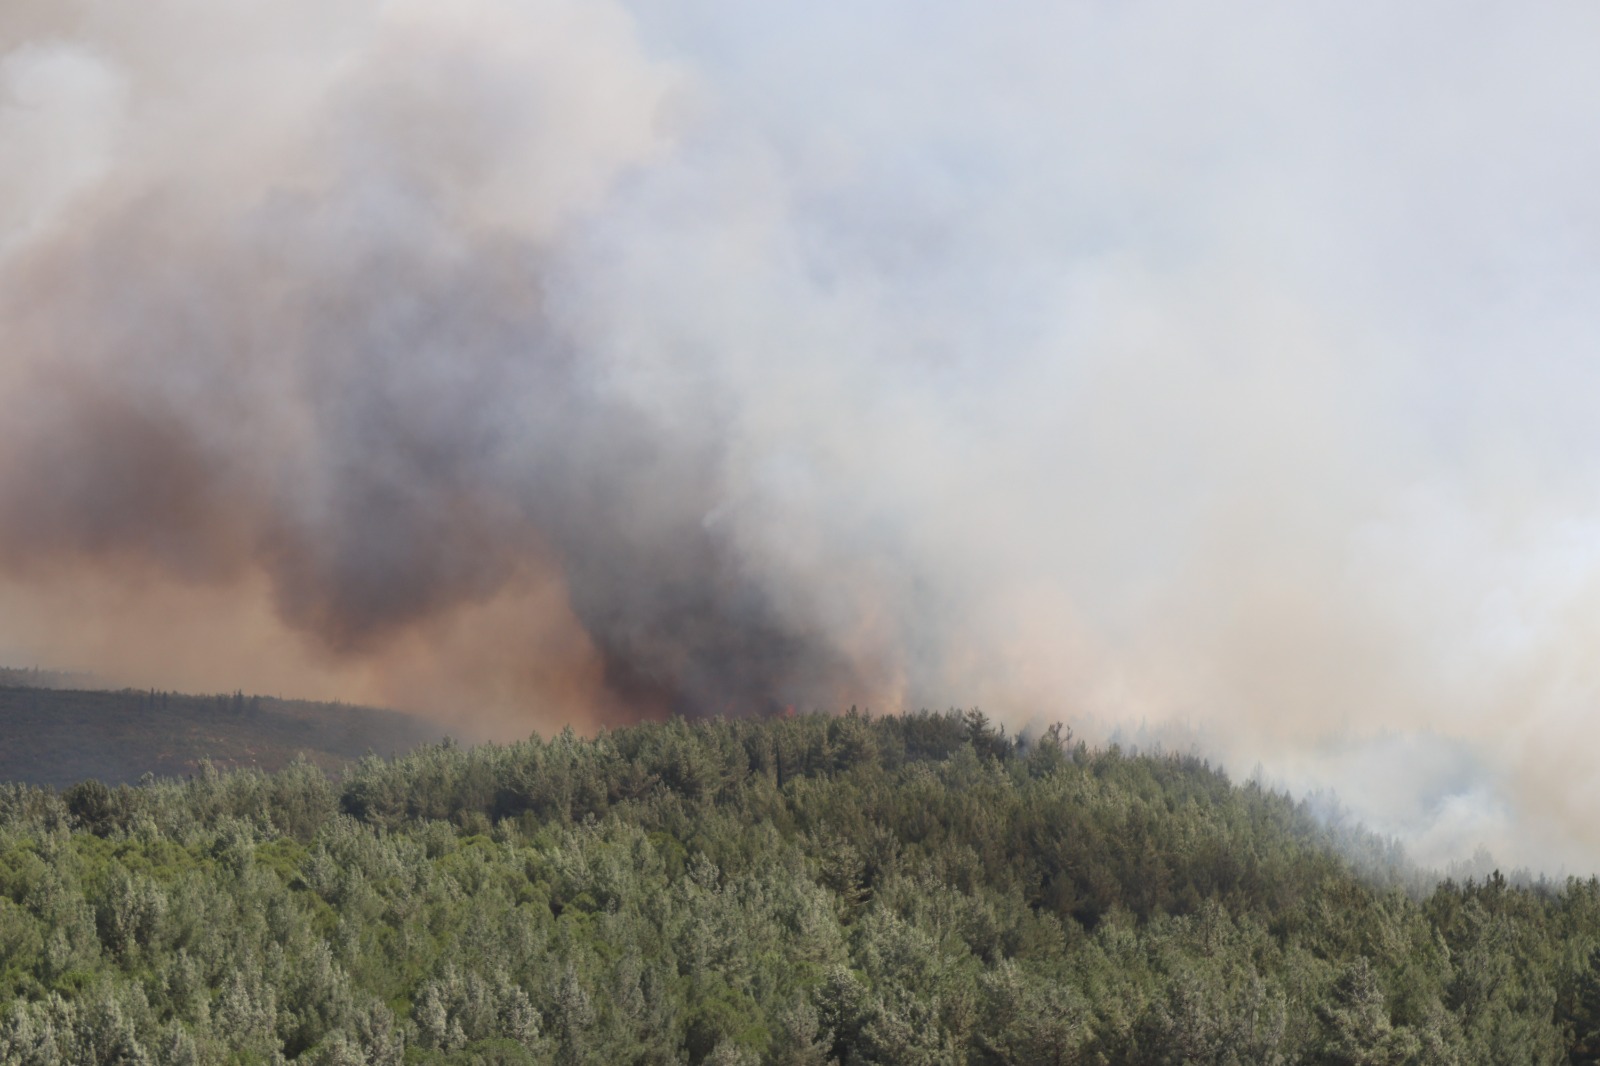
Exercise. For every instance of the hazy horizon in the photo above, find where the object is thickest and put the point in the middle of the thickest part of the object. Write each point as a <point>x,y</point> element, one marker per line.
<point>1225,371</point>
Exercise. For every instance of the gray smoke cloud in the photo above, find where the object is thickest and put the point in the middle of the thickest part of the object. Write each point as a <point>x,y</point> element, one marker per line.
<point>1224,371</point>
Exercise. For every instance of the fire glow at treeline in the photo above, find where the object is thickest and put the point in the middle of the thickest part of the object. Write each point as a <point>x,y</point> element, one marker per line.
<point>1220,370</point>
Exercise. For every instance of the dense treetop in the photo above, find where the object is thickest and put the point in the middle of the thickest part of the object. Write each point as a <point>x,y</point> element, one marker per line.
<point>918,889</point>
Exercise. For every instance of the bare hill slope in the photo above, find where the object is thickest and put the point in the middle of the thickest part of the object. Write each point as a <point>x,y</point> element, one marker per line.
<point>51,736</point>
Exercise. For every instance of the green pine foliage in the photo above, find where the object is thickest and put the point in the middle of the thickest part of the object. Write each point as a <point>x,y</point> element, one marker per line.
<point>796,891</point>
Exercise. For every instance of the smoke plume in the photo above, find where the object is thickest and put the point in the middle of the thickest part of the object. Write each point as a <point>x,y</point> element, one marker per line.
<point>1225,372</point>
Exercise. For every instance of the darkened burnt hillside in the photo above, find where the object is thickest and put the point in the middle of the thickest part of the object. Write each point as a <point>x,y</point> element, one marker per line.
<point>59,736</point>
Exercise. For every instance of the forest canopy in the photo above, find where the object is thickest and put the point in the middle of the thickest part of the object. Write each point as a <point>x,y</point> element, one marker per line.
<point>799,890</point>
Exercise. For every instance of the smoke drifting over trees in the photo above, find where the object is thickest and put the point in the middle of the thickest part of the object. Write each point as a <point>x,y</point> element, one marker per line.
<point>564,361</point>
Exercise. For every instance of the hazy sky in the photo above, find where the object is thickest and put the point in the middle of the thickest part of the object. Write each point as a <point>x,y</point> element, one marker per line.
<point>1224,370</point>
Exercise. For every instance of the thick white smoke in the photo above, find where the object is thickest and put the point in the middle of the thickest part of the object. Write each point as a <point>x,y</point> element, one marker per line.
<point>1225,369</point>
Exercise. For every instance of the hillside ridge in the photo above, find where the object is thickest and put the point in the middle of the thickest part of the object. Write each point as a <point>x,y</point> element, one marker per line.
<point>58,736</point>
<point>793,891</point>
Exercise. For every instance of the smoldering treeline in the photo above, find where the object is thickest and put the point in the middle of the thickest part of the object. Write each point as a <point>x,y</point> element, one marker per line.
<point>538,362</point>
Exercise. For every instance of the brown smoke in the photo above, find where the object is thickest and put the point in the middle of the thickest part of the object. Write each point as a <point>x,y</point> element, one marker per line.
<point>1220,373</point>
<point>281,382</point>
